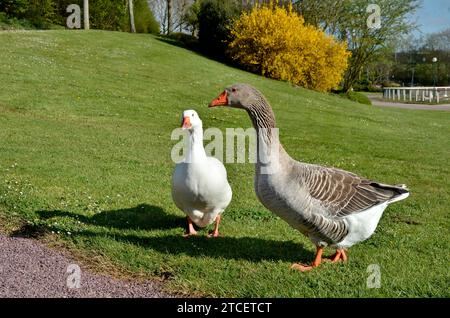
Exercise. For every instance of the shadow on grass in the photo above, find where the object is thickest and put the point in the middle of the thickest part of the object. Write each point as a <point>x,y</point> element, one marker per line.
<point>140,217</point>
<point>239,248</point>
<point>149,217</point>
<point>194,47</point>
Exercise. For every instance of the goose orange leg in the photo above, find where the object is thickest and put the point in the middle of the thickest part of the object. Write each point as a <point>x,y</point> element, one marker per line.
<point>191,231</point>
<point>315,263</point>
<point>215,232</point>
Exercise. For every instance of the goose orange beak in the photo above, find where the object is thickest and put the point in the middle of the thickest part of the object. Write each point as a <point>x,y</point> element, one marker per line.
<point>222,100</point>
<point>186,124</point>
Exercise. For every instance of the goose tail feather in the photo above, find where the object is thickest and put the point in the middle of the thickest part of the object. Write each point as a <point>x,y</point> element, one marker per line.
<point>402,192</point>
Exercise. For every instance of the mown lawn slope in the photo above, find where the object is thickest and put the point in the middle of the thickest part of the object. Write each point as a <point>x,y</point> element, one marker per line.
<point>85,126</point>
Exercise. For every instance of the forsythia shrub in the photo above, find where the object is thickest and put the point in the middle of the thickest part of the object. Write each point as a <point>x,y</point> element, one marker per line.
<point>276,43</point>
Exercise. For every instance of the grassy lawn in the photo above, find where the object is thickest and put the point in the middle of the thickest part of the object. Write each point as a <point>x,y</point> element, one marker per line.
<point>85,144</point>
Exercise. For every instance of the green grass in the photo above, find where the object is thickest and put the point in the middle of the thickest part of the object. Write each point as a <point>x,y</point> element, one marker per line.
<point>85,144</point>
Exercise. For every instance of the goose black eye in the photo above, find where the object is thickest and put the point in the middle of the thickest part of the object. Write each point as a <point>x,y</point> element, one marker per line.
<point>233,90</point>
<point>193,115</point>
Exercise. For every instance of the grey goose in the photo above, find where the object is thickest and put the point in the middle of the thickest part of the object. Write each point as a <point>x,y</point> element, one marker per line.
<point>332,207</point>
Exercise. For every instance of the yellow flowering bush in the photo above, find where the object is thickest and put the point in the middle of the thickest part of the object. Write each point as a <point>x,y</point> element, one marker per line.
<point>275,42</point>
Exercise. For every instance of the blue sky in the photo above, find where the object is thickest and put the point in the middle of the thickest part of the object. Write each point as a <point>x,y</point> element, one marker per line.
<point>433,16</point>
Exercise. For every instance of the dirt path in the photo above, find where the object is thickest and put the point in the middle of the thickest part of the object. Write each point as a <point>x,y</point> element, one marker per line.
<point>376,101</point>
<point>29,269</point>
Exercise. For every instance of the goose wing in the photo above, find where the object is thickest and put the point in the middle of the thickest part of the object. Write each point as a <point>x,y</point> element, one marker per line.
<point>341,193</point>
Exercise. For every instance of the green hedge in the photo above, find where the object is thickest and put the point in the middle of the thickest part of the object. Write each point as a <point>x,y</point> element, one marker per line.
<point>39,13</point>
<point>103,14</point>
<point>357,97</point>
<point>7,23</point>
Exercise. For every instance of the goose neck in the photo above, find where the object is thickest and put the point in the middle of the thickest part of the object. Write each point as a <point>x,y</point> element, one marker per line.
<point>262,115</point>
<point>269,148</point>
<point>195,150</point>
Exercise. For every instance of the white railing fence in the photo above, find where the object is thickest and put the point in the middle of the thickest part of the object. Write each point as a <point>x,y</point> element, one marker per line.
<point>417,94</point>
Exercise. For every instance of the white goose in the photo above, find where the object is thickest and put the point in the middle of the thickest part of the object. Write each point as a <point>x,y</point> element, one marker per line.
<point>332,207</point>
<point>199,183</point>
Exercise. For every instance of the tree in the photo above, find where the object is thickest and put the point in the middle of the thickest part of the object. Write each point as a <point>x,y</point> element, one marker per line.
<point>179,12</point>
<point>365,41</point>
<point>439,40</point>
<point>131,9</point>
<point>159,8</point>
<point>170,14</point>
<point>15,8</point>
<point>348,19</point>
<point>214,19</point>
<point>324,14</point>
<point>145,21</point>
<point>41,13</point>
<point>381,66</point>
<point>190,17</point>
<point>409,61</point>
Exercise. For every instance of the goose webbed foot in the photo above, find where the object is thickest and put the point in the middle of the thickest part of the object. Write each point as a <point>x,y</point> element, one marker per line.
<point>315,263</point>
<point>340,255</point>
<point>188,234</point>
<point>215,232</point>
<point>190,230</point>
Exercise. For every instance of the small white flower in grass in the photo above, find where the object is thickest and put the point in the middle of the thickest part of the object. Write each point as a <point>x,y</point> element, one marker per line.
<point>69,233</point>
